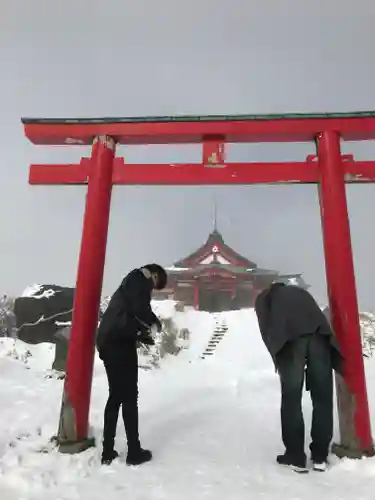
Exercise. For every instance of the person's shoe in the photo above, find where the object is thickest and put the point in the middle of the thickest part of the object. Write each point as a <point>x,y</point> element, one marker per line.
<point>109,456</point>
<point>138,457</point>
<point>298,466</point>
<point>319,466</point>
<point>319,458</point>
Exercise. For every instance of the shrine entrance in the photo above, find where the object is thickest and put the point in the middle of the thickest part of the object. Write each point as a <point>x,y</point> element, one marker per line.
<point>215,300</point>
<point>325,167</point>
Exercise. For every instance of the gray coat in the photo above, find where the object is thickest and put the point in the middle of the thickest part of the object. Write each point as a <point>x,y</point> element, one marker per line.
<point>286,312</point>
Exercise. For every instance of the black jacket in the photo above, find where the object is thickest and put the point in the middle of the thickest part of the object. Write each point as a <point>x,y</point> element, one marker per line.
<point>128,313</point>
<point>286,312</point>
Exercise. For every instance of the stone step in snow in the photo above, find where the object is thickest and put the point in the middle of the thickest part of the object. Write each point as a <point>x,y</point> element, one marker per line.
<point>216,337</point>
<point>207,353</point>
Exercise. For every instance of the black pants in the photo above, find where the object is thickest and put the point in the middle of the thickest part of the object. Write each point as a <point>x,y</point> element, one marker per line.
<point>121,365</point>
<point>313,353</point>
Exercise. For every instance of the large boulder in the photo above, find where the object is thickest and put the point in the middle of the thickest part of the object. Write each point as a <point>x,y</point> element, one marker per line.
<point>42,311</point>
<point>44,314</point>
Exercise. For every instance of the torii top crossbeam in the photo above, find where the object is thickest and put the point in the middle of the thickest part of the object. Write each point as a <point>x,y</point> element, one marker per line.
<point>213,132</point>
<point>193,129</point>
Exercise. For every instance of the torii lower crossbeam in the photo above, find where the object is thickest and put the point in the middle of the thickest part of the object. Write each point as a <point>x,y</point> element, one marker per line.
<point>202,174</point>
<point>326,167</point>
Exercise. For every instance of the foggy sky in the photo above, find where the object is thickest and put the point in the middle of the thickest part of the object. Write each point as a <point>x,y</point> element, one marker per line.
<point>163,57</point>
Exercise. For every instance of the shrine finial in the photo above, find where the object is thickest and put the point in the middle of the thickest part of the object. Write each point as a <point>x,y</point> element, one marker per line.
<point>214,215</point>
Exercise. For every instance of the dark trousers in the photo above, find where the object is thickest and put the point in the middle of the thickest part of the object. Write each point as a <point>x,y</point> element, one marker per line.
<point>121,365</point>
<point>313,354</point>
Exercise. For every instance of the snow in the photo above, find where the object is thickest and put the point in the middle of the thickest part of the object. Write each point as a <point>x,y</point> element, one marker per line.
<point>213,426</point>
<point>293,281</point>
<point>174,268</point>
<point>33,291</point>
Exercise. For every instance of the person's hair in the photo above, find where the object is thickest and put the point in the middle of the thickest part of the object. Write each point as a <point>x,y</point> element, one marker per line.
<point>161,273</point>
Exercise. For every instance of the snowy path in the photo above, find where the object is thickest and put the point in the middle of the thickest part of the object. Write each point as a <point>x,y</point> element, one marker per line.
<point>212,424</point>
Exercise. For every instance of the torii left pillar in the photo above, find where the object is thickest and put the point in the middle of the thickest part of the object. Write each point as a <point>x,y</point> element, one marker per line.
<point>73,433</point>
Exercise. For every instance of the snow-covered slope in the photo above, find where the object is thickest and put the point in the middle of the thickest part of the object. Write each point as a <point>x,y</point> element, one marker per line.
<point>213,425</point>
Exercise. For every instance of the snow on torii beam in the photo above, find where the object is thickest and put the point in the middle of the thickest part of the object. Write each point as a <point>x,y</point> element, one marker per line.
<point>328,168</point>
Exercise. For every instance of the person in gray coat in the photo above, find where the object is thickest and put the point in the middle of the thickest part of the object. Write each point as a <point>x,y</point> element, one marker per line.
<point>300,341</point>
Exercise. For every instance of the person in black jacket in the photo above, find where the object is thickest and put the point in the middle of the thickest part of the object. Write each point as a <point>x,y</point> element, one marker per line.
<point>300,340</point>
<point>127,321</point>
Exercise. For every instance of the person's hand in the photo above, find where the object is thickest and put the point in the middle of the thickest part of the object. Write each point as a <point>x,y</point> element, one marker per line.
<point>155,328</point>
<point>146,339</point>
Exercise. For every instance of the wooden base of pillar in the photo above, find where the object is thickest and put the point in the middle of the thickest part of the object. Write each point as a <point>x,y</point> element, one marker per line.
<point>349,447</point>
<point>355,454</point>
<point>72,447</point>
<point>76,447</point>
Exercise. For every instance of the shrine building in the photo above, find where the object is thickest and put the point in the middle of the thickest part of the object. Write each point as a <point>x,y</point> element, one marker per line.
<point>216,278</point>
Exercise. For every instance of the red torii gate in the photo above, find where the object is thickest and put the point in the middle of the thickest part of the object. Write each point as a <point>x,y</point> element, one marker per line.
<point>328,168</point>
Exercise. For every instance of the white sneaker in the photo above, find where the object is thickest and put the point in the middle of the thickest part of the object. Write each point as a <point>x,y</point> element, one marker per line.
<point>320,466</point>
<point>285,461</point>
<point>299,470</point>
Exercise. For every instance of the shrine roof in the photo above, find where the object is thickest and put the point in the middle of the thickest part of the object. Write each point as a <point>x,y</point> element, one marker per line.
<point>213,265</point>
<point>216,254</point>
<point>295,278</point>
<point>215,250</point>
<point>235,269</point>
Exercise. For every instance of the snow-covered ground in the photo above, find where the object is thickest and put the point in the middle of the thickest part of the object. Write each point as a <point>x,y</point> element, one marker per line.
<point>213,426</point>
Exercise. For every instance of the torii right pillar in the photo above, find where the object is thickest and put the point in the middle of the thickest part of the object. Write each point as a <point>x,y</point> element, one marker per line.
<point>353,409</point>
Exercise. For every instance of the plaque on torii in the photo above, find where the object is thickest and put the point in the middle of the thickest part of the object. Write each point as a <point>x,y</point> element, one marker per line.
<point>325,167</point>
